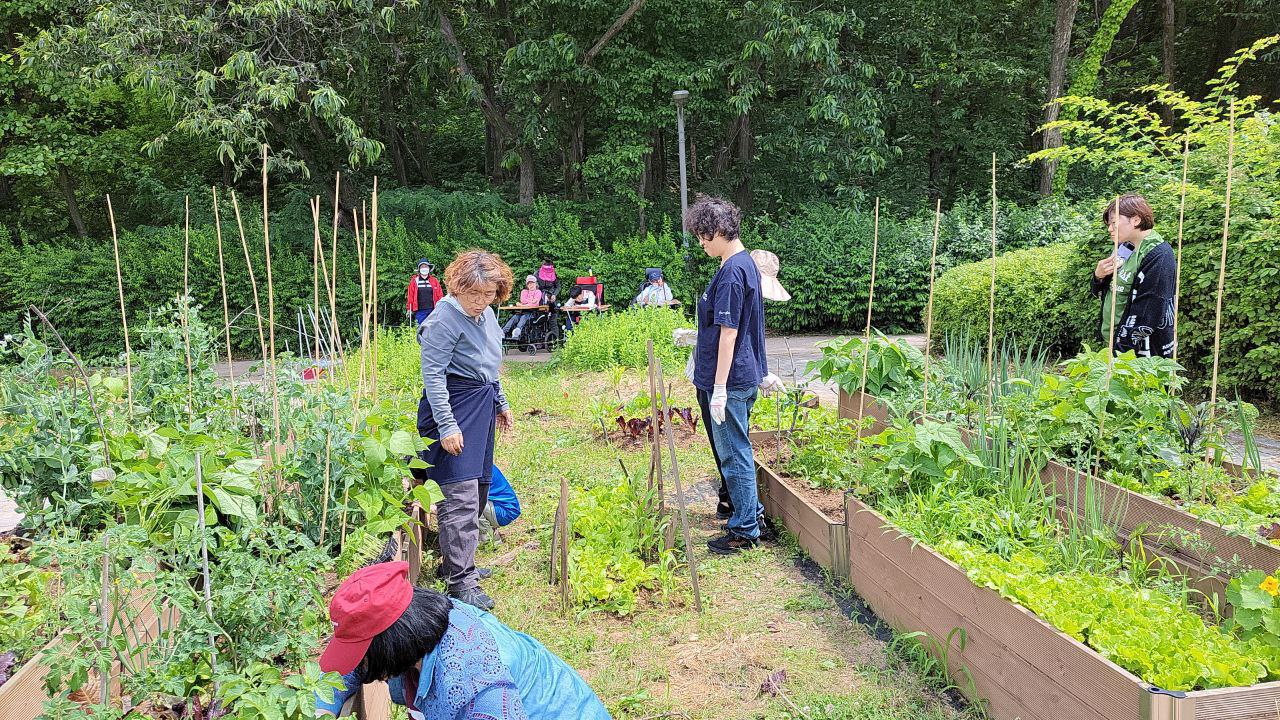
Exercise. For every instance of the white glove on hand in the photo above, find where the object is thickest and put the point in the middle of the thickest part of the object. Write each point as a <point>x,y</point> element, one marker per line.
<point>719,398</point>
<point>770,384</point>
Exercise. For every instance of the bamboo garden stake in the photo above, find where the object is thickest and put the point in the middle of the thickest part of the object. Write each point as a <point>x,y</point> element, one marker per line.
<point>222,278</point>
<point>1177,277</point>
<point>186,306</point>
<point>373,290</point>
<point>689,555</point>
<point>253,280</point>
<point>928,316</point>
<point>204,558</point>
<point>271,332</point>
<point>866,335</point>
<point>315,270</point>
<point>1113,228</point>
<point>1222,268</point>
<point>991,308</point>
<point>257,314</point>
<point>124,320</point>
<point>655,449</point>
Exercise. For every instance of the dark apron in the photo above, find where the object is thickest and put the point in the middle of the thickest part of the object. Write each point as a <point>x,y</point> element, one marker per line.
<point>475,408</point>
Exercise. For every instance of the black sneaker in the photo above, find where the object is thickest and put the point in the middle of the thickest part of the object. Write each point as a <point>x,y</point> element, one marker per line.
<point>482,573</point>
<point>724,510</point>
<point>729,544</point>
<point>768,531</point>
<point>475,598</point>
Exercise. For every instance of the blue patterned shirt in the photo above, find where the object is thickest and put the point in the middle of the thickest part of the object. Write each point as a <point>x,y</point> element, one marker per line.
<point>484,670</point>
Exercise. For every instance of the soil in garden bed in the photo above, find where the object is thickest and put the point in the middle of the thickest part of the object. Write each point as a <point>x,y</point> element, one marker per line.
<point>829,502</point>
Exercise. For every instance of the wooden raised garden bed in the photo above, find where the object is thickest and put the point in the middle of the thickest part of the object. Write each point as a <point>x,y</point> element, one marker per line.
<point>23,696</point>
<point>1163,525</point>
<point>1019,664</point>
<point>823,538</point>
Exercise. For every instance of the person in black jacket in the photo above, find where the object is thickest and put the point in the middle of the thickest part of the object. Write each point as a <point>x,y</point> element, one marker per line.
<point>1138,315</point>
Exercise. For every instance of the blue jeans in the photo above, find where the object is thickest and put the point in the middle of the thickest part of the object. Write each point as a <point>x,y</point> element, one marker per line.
<point>420,316</point>
<point>732,448</point>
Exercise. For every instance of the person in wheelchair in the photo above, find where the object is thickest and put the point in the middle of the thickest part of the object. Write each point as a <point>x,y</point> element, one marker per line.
<point>655,290</point>
<point>530,296</point>
<point>580,298</point>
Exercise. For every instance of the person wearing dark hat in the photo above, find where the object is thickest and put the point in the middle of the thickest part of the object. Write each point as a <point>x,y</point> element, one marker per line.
<point>656,290</point>
<point>443,659</point>
<point>424,293</point>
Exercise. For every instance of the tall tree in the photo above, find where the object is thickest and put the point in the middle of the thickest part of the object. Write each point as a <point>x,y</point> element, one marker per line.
<point>1063,23</point>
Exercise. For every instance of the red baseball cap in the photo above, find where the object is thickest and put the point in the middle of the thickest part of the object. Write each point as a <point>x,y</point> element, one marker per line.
<point>368,602</point>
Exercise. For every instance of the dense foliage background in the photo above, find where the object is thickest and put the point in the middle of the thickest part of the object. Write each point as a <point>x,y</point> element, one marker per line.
<point>547,127</point>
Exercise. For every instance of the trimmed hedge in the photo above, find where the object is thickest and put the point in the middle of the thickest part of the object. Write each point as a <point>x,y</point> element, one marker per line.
<point>1041,293</point>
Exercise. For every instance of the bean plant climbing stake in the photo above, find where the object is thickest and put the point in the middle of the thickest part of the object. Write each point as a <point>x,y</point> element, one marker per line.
<point>991,310</point>
<point>1222,264</point>
<point>222,279</point>
<point>271,334</point>
<point>124,319</point>
<point>1177,275</point>
<point>866,334</point>
<point>675,476</point>
<point>928,315</point>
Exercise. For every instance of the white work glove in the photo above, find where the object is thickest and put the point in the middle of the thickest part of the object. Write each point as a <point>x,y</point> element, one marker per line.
<point>719,398</point>
<point>770,384</point>
<point>684,337</point>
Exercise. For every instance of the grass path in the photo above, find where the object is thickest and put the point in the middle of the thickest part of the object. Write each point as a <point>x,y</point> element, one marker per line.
<point>664,660</point>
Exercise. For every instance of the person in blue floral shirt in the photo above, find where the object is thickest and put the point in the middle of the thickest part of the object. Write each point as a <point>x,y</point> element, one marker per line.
<point>441,659</point>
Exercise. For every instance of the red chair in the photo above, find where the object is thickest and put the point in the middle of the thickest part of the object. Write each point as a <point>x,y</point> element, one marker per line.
<point>589,282</point>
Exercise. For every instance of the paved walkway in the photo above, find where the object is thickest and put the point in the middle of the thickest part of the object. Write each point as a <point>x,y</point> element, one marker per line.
<point>788,356</point>
<point>9,515</point>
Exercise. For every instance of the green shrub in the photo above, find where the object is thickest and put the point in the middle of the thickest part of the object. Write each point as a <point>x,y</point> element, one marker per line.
<point>620,339</point>
<point>1041,293</point>
<point>825,257</point>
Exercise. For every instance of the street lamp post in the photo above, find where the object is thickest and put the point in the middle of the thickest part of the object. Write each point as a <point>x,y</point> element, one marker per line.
<point>680,96</point>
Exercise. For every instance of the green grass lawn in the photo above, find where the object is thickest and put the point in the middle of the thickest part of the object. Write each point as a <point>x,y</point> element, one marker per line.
<point>665,660</point>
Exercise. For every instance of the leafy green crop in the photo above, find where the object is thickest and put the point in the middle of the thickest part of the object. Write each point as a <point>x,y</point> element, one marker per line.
<point>892,367</point>
<point>617,547</point>
<point>620,339</point>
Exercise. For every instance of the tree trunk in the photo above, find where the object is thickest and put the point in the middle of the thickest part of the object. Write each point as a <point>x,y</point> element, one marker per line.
<point>397,157</point>
<point>527,182</point>
<point>1167,37</point>
<point>67,186</point>
<point>575,156</point>
<point>746,151</point>
<point>660,150</point>
<point>419,154</point>
<point>1063,23</point>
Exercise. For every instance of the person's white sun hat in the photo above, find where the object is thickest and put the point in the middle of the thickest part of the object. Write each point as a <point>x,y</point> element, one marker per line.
<point>767,263</point>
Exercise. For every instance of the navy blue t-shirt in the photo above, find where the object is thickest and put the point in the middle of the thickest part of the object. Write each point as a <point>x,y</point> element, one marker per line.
<point>732,299</point>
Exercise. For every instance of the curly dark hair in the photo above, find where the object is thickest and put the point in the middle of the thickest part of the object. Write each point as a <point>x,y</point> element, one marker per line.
<point>710,215</point>
<point>418,631</point>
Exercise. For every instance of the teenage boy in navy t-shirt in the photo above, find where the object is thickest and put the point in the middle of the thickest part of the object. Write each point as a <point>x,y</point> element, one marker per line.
<point>729,362</point>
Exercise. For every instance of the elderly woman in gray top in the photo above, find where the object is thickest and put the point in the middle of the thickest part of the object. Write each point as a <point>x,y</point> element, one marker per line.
<point>461,407</point>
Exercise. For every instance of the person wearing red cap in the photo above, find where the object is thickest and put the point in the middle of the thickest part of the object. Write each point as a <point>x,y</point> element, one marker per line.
<point>442,659</point>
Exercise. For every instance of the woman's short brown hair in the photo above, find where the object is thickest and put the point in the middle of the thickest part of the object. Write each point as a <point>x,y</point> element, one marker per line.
<point>711,215</point>
<point>1131,205</point>
<point>474,267</point>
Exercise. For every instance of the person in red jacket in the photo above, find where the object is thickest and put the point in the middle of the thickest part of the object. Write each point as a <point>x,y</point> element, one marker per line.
<point>424,293</point>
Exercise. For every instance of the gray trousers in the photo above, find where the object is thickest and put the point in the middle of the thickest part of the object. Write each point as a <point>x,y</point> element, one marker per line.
<point>458,516</point>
